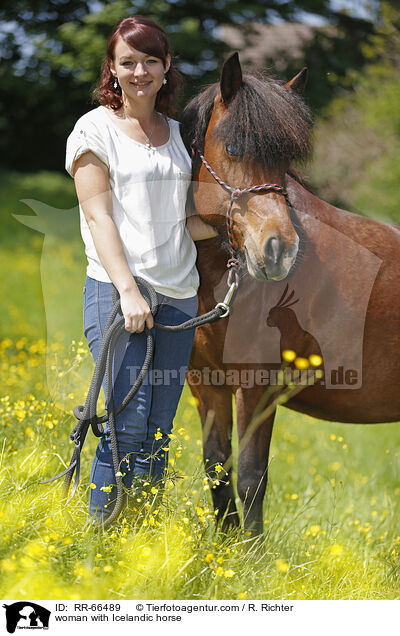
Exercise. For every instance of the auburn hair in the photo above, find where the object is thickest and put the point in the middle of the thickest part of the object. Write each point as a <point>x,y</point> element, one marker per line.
<point>144,35</point>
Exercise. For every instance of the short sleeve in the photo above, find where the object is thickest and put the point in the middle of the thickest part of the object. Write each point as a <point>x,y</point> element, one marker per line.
<point>85,137</point>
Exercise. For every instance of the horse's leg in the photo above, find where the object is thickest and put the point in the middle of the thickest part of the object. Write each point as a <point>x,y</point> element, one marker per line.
<point>215,408</point>
<point>253,456</point>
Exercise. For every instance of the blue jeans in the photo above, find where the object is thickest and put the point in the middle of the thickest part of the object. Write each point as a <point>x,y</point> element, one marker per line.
<point>145,423</point>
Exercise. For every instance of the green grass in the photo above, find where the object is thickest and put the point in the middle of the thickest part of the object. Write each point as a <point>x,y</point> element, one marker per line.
<point>331,511</point>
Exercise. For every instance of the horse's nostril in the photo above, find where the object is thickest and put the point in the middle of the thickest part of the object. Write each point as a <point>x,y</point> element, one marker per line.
<point>273,250</point>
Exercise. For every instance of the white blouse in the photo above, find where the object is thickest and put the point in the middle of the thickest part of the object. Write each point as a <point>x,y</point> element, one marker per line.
<point>148,188</point>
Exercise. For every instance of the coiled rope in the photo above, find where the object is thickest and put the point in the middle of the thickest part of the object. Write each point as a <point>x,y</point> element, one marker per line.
<point>87,414</point>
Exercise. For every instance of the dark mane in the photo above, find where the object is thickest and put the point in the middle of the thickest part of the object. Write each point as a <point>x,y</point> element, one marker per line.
<point>266,122</point>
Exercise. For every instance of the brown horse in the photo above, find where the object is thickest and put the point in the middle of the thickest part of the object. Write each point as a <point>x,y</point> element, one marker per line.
<point>343,268</point>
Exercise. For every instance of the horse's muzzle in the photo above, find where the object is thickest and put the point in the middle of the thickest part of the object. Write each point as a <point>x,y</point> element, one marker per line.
<point>276,261</point>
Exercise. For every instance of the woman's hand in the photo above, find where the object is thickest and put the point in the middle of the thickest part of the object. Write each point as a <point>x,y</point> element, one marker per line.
<point>136,311</point>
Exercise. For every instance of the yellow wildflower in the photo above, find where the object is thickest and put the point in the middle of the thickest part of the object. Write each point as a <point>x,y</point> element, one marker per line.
<point>288,355</point>
<point>336,549</point>
<point>281,565</point>
<point>301,363</point>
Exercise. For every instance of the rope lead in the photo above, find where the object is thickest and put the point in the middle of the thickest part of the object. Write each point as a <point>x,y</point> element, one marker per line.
<point>87,414</point>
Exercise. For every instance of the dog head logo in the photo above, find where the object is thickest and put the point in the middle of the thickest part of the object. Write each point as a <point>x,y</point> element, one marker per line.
<point>26,615</point>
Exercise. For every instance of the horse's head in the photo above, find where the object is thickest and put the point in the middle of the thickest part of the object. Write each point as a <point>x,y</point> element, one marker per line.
<point>249,129</point>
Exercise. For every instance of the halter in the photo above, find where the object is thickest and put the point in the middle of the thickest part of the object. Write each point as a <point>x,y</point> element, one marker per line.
<point>236,193</point>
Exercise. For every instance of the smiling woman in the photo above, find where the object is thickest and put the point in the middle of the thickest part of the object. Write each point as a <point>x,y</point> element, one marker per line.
<point>132,173</point>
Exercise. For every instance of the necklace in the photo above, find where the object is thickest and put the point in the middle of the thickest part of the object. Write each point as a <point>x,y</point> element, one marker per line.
<point>147,142</point>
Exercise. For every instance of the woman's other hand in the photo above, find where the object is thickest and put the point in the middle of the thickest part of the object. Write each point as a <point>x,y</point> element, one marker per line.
<point>136,311</point>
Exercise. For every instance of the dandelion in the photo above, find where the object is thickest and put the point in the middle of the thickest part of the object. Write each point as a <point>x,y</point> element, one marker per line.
<point>92,486</point>
<point>219,571</point>
<point>281,565</point>
<point>209,557</point>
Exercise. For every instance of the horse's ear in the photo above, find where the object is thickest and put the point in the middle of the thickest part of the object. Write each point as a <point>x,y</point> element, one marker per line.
<point>231,77</point>
<point>298,82</point>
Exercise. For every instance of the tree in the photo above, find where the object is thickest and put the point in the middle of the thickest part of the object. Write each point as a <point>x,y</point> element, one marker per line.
<point>46,85</point>
<point>357,146</point>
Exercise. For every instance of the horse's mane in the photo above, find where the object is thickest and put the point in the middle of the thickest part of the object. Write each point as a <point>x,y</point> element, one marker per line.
<point>266,122</point>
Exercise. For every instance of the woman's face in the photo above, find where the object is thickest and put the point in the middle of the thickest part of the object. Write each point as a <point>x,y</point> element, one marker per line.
<point>139,74</point>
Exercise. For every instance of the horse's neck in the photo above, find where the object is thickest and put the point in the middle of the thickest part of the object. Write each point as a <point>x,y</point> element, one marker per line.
<point>304,202</point>
<point>374,235</point>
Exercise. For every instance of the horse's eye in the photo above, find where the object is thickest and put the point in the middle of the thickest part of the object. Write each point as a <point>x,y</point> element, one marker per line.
<point>232,150</point>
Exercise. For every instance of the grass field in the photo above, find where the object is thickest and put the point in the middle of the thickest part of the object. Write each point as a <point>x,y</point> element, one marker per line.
<point>331,511</point>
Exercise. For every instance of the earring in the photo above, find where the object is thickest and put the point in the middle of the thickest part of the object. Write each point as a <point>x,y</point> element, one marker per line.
<point>115,82</point>
<point>164,80</point>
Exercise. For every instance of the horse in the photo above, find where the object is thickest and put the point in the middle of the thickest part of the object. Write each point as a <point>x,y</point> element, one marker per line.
<point>342,268</point>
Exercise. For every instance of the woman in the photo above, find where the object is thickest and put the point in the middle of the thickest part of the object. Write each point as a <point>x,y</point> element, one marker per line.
<point>132,172</point>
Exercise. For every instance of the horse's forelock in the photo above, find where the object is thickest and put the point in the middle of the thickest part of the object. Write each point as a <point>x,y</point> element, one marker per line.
<point>266,122</point>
